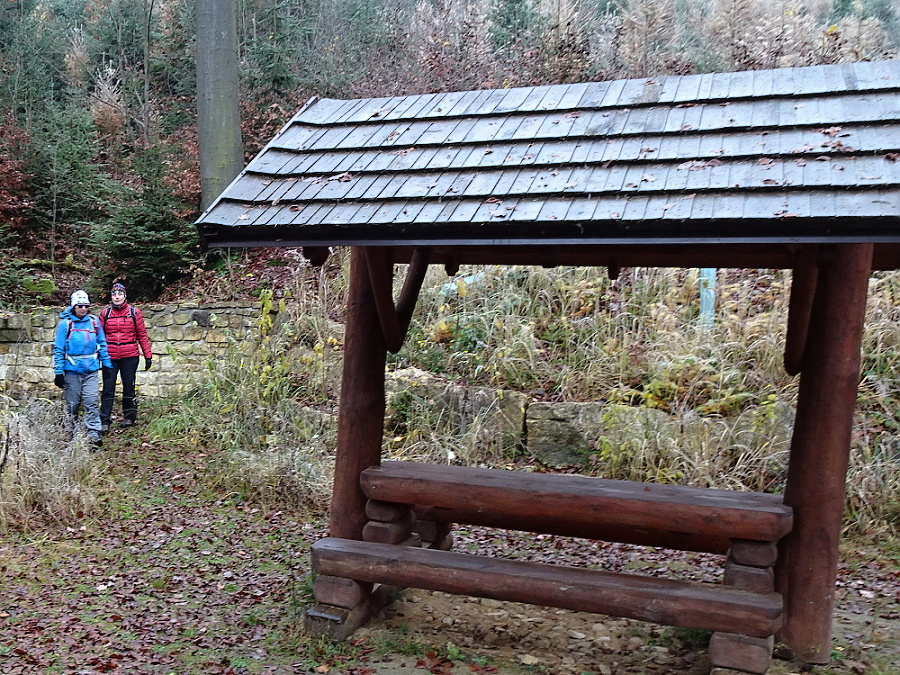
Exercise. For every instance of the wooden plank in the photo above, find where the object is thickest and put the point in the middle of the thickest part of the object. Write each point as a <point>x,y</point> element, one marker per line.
<point>339,623</point>
<point>388,533</point>
<point>741,652</point>
<point>672,602</point>
<point>761,579</point>
<point>340,592</point>
<point>744,515</point>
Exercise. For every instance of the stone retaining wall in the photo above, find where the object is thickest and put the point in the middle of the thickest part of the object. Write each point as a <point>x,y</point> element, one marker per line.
<point>184,338</point>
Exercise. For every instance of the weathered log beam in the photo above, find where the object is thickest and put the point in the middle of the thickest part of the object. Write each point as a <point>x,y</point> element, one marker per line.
<point>673,602</point>
<point>590,501</point>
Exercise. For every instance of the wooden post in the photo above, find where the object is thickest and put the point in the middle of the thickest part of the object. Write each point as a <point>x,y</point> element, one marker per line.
<point>361,411</point>
<point>806,569</point>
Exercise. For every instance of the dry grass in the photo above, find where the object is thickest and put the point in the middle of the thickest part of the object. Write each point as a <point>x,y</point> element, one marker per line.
<point>44,473</point>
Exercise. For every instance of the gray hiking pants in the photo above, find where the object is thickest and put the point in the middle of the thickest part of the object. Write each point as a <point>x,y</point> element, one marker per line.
<point>83,390</point>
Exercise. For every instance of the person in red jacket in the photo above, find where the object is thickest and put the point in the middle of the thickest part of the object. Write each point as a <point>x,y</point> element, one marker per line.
<point>126,337</point>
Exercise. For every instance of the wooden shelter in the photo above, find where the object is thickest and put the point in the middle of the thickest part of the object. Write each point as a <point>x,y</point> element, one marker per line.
<point>791,168</point>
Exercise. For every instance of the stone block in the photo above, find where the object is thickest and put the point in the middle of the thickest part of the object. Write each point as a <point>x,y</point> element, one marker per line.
<point>175,333</point>
<point>194,332</point>
<point>14,335</point>
<point>181,318</point>
<point>20,321</point>
<point>217,337</point>
<point>496,416</point>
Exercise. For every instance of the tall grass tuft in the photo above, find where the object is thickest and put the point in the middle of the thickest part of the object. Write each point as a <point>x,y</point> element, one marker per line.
<point>266,408</point>
<point>45,474</point>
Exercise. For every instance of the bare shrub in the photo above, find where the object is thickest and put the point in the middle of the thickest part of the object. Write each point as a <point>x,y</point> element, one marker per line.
<point>108,104</point>
<point>77,59</point>
<point>855,39</point>
<point>648,33</point>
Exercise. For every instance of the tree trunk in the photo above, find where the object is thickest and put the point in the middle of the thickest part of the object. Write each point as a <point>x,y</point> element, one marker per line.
<point>218,113</point>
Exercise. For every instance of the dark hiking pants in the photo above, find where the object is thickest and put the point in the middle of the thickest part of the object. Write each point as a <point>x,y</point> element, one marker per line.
<point>128,369</point>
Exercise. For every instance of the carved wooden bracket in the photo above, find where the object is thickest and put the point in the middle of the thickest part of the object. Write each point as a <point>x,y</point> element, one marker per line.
<point>395,319</point>
<point>803,290</point>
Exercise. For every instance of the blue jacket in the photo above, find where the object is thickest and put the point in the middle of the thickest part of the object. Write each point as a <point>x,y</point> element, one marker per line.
<point>80,344</point>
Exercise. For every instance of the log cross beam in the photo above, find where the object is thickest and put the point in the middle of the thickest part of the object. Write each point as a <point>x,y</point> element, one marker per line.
<point>394,319</point>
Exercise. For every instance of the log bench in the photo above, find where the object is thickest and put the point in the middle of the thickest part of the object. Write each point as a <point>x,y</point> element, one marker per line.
<point>412,505</point>
<point>671,516</point>
<point>672,602</point>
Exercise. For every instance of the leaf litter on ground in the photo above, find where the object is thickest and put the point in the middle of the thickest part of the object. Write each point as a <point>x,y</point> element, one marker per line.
<point>172,577</point>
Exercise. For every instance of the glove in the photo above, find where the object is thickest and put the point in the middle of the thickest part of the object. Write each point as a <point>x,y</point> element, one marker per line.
<point>60,381</point>
<point>147,363</point>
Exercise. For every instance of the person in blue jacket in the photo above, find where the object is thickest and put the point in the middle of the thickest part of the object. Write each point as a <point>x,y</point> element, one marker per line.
<point>79,351</point>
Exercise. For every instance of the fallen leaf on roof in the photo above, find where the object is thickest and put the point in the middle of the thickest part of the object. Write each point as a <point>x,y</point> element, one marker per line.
<point>491,200</point>
<point>870,177</point>
<point>765,161</point>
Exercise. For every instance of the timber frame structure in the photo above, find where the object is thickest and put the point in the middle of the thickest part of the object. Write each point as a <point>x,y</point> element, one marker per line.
<point>791,168</point>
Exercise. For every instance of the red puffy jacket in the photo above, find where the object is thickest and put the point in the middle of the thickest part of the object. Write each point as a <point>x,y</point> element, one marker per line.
<point>125,330</point>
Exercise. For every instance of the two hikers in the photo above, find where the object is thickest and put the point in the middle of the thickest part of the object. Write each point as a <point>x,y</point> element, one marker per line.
<point>84,344</point>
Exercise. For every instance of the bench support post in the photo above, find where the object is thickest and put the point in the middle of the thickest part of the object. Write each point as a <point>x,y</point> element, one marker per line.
<point>806,569</point>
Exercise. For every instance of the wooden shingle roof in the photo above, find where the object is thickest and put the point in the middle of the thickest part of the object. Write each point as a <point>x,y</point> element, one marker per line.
<point>777,156</point>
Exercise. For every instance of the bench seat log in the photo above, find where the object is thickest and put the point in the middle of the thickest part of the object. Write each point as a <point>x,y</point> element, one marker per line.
<point>680,603</point>
<point>640,536</point>
<point>592,505</point>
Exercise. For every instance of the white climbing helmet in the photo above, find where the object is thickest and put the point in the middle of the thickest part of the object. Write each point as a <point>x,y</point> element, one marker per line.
<point>79,298</point>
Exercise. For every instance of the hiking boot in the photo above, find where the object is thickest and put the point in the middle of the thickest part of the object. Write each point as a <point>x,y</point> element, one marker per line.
<point>95,443</point>
<point>104,428</point>
<point>127,423</point>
